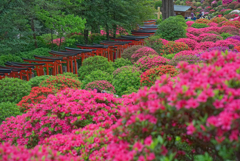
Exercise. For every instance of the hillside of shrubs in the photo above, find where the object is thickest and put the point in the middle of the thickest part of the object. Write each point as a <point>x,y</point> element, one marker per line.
<point>177,98</point>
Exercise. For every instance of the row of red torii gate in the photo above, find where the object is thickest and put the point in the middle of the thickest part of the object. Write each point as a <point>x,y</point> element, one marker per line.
<point>53,65</point>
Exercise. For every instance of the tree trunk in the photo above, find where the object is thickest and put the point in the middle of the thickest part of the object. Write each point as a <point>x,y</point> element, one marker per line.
<point>95,29</point>
<point>34,34</point>
<point>52,39</point>
<point>107,31</point>
<point>114,30</point>
<point>114,26</point>
<point>86,36</point>
<point>167,9</point>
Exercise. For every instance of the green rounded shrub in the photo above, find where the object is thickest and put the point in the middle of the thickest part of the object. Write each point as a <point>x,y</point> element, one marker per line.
<point>172,28</point>
<point>181,20</point>
<point>35,81</point>
<point>125,79</point>
<point>97,75</point>
<point>169,56</point>
<point>225,35</point>
<point>199,25</point>
<point>130,90</point>
<point>127,53</point>
<point>95,63</point>
<point>13,89</point>
<point>8,109</point>
<point>227,12</point>
<point>198,4</point>
<point>69,75</point>
<point>219,3</point>
<point>129,68</point>
<point>154,42</point>
<point>120,62</point>
<point>159,20</point>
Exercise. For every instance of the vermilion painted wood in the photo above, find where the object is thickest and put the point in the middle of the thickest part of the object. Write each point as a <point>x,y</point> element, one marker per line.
<point>54,64</point>
<point>69,57</point>
<point>48,64</point>
<point>19,73</point>
<point>85,54</point>
<point>29,71</point>
<point>101,50</point>
<point>38,67</point>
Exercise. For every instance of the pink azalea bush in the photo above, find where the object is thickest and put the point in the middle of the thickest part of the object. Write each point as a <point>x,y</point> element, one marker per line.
<point>82,142</point>
<point>212,38</point>
<point>226,43</point>
<point>164,41</point>
<point>194,31</point>
<point>144,51</point>
<point>101,85</point>
<point>192,52</point>
<point>58,41</point>
<point>68,110</point>
<point>200,106</point>
<point>211,11</point>
<point>230,29</point>
<point>200,37</point>
<point>191,36</point>
<point>204,45</point>
<point>150,61</point>
<point>212,24</point>
<point>190,42</point>
<point>226,1</point>
<point>233,41</point>
<point>189,23</point>
<point>207,29</point>
<point>14,153</point>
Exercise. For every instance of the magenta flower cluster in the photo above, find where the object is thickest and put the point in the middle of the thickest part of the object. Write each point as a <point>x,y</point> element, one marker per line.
<point>192,37</point>
<point>9,152</point>
<point>204,45</point>
<point>101,85</point>
<point>150,61</point>
<point>189,23</point>
<point>208,37</point>
<point>83,142</point>
<point>187,52</point>
<point>212,24</point>
<point>226,1</point>
<point>190,42</point>
<point>200,37</point>
<point>205,88</point>
<point>144,51</point>
<point>164,41</point>
<point>226,43</point>
<point>68,110</point>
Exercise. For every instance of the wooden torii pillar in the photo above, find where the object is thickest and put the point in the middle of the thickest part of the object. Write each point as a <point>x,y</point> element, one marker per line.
<point>167,9</point>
